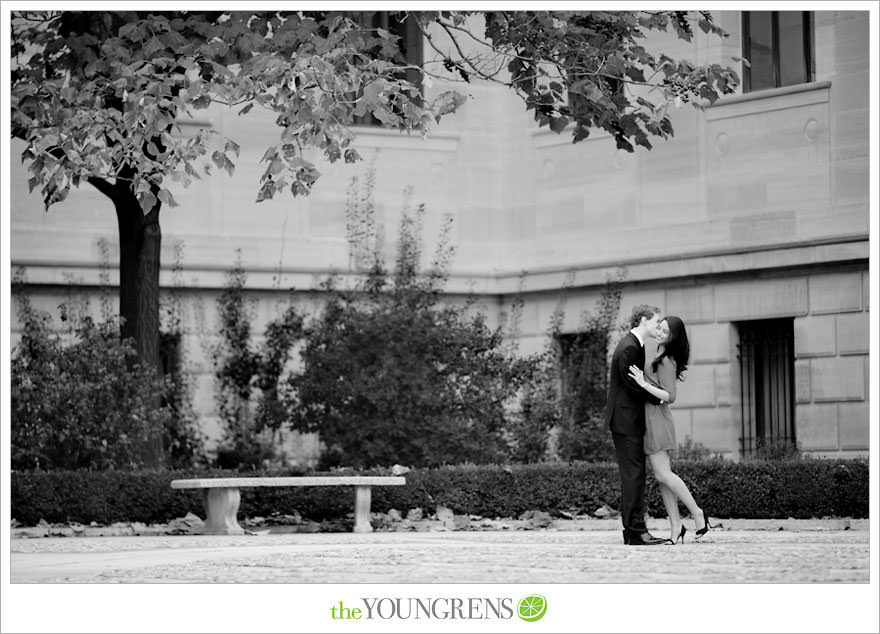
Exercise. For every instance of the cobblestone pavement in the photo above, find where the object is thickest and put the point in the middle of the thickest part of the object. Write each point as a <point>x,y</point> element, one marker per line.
<point>815,553</point>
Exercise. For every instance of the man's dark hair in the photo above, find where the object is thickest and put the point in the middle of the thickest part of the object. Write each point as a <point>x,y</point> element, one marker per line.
<point>642,310</point>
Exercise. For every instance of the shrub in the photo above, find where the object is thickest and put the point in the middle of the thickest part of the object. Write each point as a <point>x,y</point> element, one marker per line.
<point>250,378</point>
<point>82,405</point>
<point>389,375</point>
<point>102,497</point>
<point>567,392</point>
<point>755,489</point>
<point>776,450</point>
<point>583,372</point>
<point>772,488</point>
<point>80,401</point>
<point>690,450</point>
<point>531,422</point>
<point>184,442</point>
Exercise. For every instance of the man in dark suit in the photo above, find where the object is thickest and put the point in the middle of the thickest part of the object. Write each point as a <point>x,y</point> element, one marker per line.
<point>625,416</point>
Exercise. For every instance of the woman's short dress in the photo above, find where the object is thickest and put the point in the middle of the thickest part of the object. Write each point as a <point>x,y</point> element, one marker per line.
<point>659,426</point>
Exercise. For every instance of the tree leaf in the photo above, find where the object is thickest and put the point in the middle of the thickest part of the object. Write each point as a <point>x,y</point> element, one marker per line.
<point>580,133</point>
<point>147,201</point>
<point>232,145</point>
<point>166,197</point>
<point>558,124</point>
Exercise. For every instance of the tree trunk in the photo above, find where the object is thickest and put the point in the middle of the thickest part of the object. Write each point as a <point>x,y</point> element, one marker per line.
<point>140,241</point>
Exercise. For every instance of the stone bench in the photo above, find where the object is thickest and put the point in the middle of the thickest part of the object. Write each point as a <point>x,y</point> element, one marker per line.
<point>222,496</point>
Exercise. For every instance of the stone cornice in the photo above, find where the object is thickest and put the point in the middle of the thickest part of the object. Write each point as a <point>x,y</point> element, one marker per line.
<point>853,250</point>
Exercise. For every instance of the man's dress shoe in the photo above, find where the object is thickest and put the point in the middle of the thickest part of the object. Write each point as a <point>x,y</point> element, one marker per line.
<point>641,539</point>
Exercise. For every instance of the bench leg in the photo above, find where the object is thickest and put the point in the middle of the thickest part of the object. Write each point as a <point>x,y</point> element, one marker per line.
<point>362,510</point>
<point>221,508</point>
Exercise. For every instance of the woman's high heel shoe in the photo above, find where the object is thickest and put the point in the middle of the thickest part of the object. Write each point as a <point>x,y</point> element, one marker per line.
<point>681,535</point>
<point>673,542</point>
<point>699,533</point>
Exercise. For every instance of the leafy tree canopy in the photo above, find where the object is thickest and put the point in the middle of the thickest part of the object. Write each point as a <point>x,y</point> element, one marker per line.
<point>591,69</point>
<point>95,95</point>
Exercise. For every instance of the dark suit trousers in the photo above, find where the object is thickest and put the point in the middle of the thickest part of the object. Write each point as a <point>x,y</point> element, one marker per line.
<point>631,461</point>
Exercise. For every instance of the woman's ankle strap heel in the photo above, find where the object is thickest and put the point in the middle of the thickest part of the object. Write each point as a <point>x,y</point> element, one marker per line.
<point>706,527</point>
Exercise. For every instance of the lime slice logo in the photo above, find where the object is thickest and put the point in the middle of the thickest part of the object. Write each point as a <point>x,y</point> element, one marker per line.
<point>532,608</point>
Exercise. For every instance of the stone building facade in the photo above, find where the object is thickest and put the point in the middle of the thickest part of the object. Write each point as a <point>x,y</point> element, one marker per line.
<point>751,223</point>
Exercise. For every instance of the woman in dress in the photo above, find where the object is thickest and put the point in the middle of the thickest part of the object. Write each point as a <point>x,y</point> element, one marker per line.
<point>659,378</point>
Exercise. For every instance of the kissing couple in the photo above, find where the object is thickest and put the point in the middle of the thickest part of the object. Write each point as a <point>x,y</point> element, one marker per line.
<point>642,428</point>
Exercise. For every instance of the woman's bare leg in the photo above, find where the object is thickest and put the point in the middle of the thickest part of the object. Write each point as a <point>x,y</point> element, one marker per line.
<point>671,504</point>
<point>665,477</point>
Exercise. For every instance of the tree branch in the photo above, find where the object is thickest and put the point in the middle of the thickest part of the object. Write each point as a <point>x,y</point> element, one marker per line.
<point>464,58</point>
<point>106,188</point>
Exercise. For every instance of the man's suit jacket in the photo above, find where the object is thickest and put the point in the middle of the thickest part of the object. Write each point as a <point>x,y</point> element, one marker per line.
<point>625,407</point>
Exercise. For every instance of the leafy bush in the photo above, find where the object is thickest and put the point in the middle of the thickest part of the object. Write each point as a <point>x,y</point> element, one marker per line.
<point>583,370</point>
<point>249,379</point>
<point>773,488</point>
<point>389,375</point>
<point>756,489</point>
<point>184,442</point>
<point>690,450</point>
<point>531,422</point>
<point>565,397</point>
<point>766,449</point>
<point>102,497</point>
<point>80,401</point>
<point>83,405</point>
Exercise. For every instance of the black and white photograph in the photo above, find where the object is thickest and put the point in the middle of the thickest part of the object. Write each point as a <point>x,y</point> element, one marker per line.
<point>442,317</point>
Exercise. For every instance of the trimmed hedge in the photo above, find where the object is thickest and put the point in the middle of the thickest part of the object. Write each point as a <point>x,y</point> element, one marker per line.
<point>757,489</point>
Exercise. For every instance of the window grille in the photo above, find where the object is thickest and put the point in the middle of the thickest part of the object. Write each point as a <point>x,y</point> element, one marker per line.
<point>766,358</point>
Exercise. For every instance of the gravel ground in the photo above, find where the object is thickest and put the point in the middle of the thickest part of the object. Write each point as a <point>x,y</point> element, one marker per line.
<point>770,551</point>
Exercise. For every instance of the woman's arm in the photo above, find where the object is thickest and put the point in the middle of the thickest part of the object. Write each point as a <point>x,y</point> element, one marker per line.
<point>638,376</point>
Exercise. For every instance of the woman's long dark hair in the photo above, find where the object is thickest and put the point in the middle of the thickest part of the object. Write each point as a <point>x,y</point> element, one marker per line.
<point>676,347</point>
